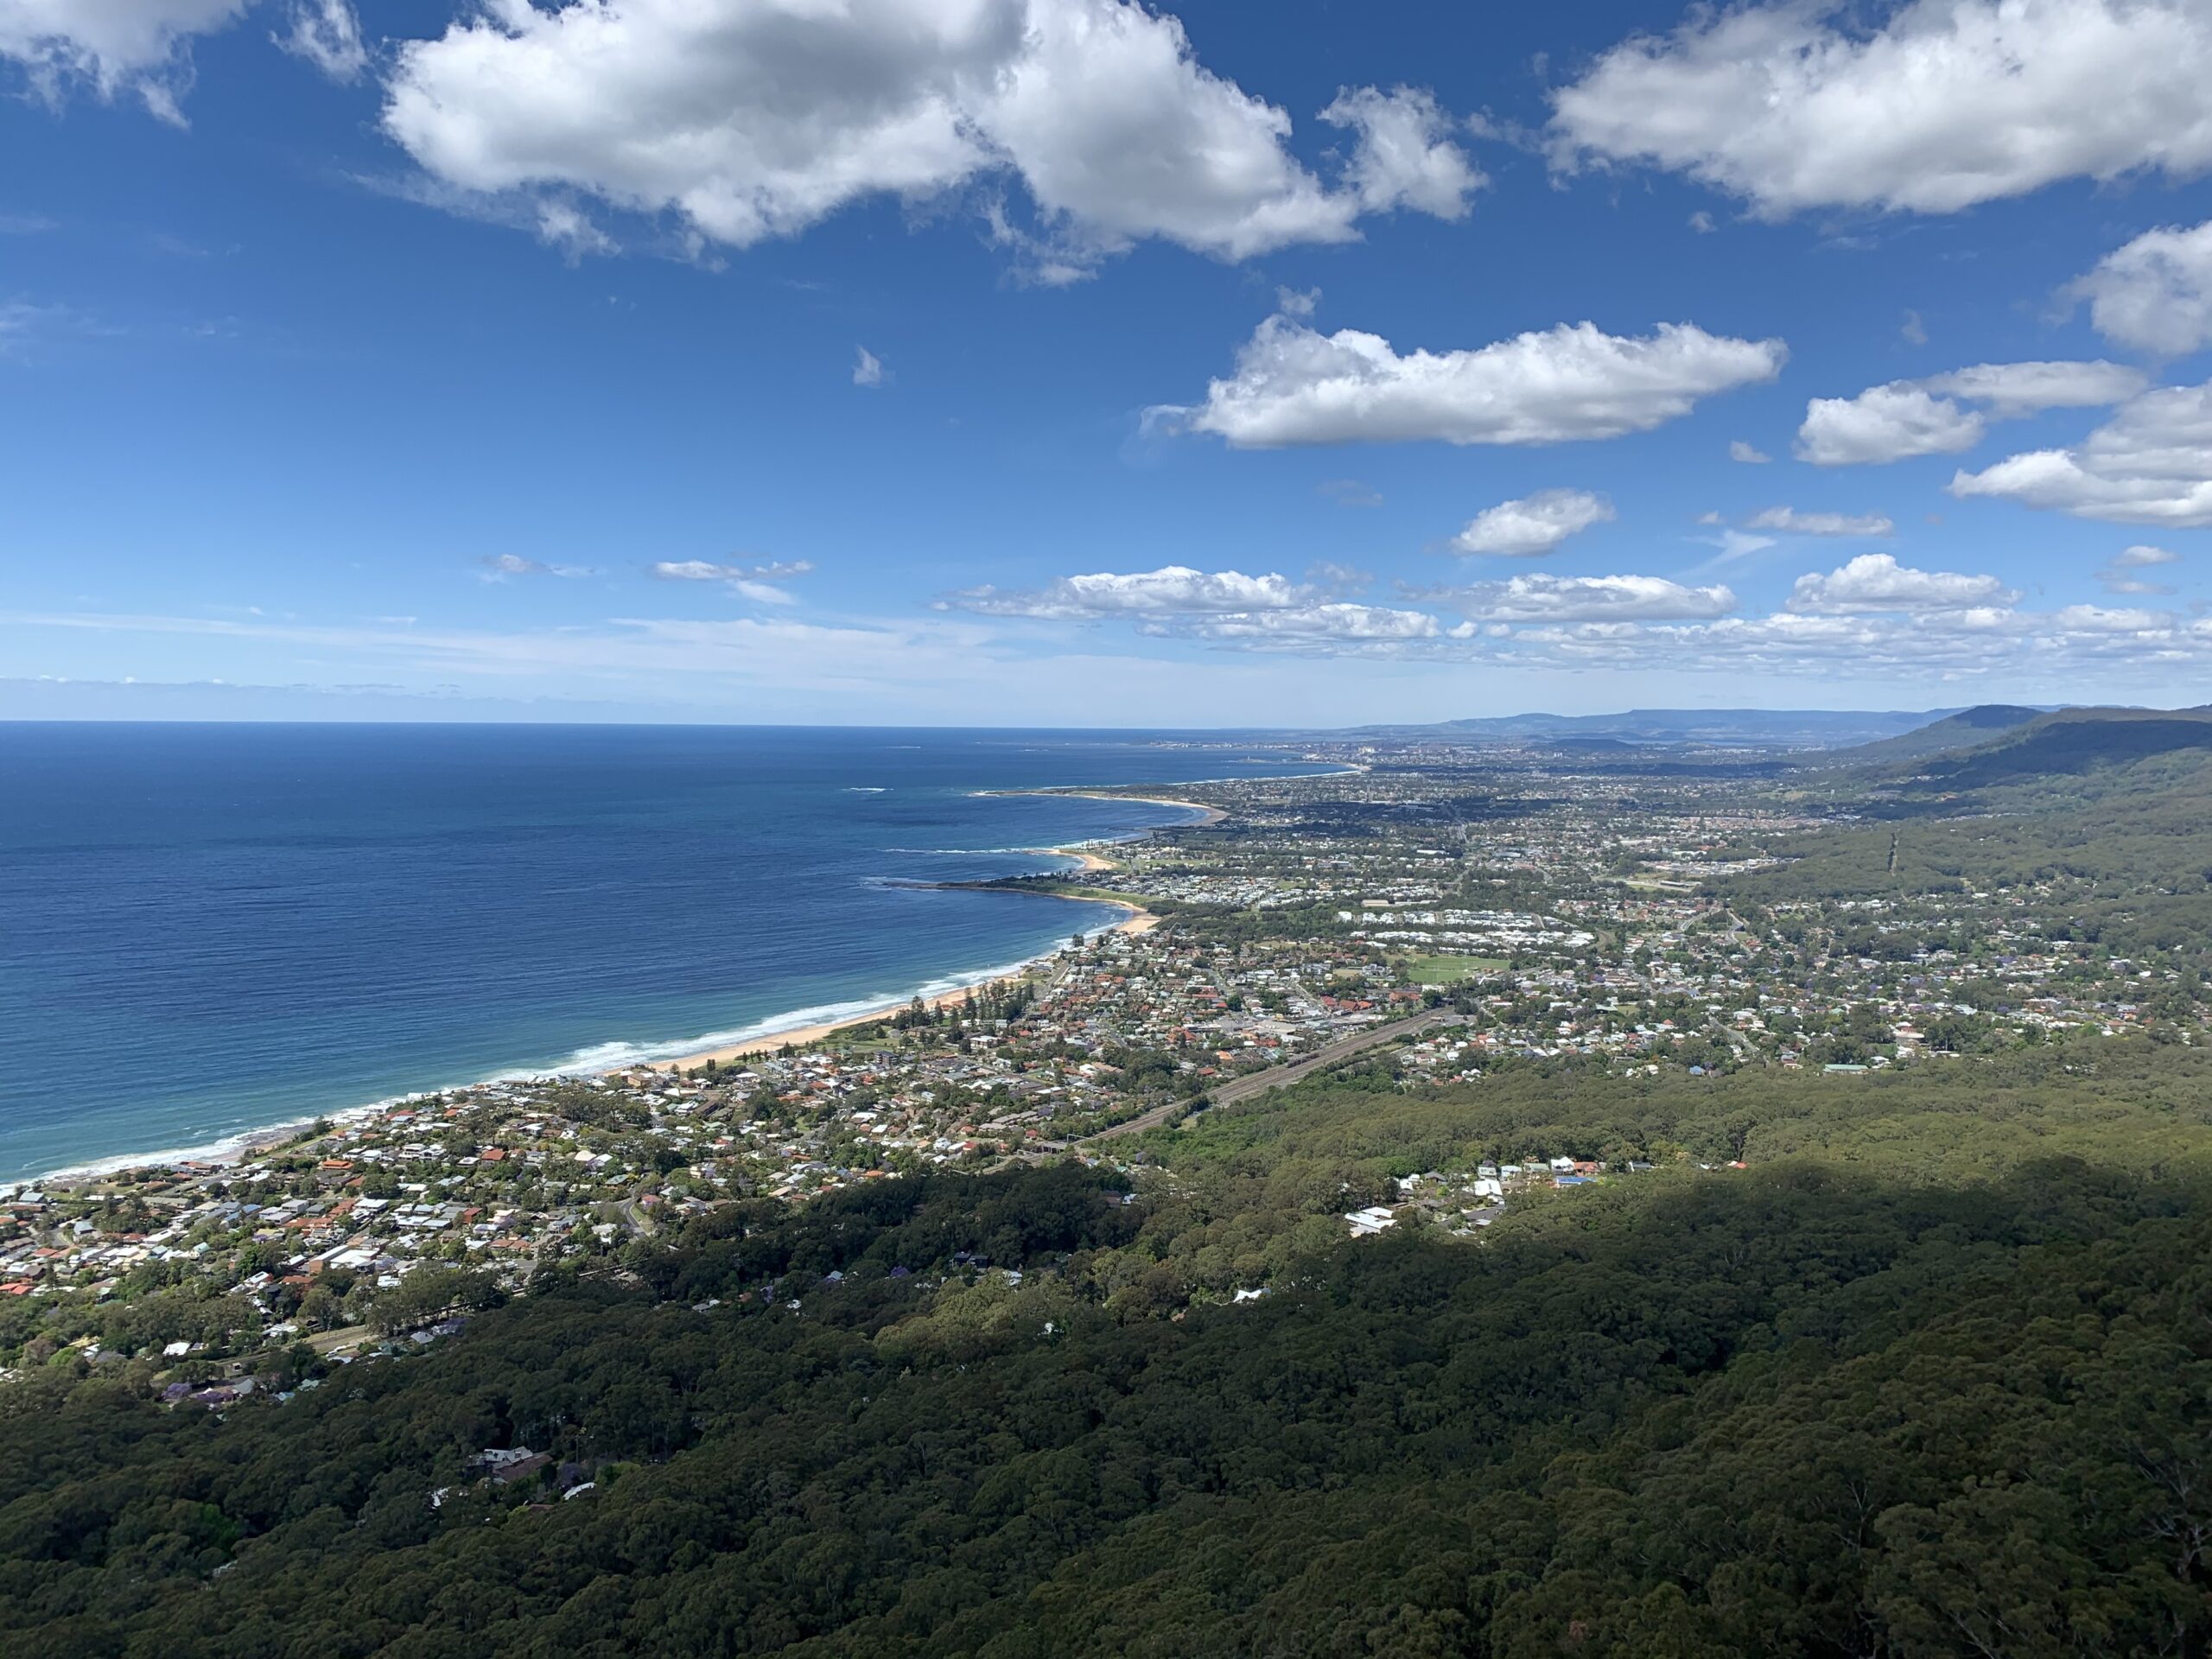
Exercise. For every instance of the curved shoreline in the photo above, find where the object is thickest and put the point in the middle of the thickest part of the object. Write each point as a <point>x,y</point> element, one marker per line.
<point>1139,920</point>
<point>1208,816</point>
<point>242,1145</point>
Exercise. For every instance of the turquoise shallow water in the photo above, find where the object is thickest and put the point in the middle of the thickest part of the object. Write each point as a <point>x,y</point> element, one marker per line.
<point>206,930</point>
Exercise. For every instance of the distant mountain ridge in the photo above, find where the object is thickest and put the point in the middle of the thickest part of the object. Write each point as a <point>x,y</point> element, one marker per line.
<point>1800,729</point>
<point>1968,728</point>
<point>2070,743</point>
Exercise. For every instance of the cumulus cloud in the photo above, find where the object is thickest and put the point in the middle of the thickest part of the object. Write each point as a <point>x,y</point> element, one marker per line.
<point>1533,525</point>
<point>2120,572</point>
<point>1946,103</point>
<point>2151,464</point>
<point>1295,385</point>
<point>2013,390</point>
<point>2155,294</point>
<point>1876,581</point>
<point>1544,598</point>
<point>868,367</point>
<point>1749,454</point>
<point>749,119</point>
<point>1938,646</point>
<point>1926,417</point>
<point>1791,522</point>
<point>1885,423</point>
<point>1404,156</point>
<point>140,46</point>
<point>1173,590</point>
<point>1224,607</point>
<point>1872,616</point>
<point>1318,628</point>
<point>326,34</point>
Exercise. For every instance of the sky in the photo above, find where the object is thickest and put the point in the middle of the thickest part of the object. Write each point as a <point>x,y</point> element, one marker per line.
<point>1077,363</point>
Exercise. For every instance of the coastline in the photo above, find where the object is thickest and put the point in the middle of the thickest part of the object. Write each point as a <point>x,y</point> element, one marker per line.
<point>1138,920</point>
<point>242,1145</point>
<point>1208,816</point>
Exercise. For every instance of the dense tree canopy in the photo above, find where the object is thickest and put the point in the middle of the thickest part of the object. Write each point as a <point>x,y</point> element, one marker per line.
<point>1833,1404</point>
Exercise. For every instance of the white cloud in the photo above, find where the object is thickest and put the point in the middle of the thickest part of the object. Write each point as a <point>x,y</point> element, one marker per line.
<point>1403,156</point>
<point>1544,598</point>
<point>1885,423</point>
<point>868,367</point>
<point>2151,464</point>
<point>1791,522</point>
<point>1749,454</point>
<point>1173,590</point>
<point>2096,619</point>
<point>2012,391</point>
<point>1228,608</point>
<point>1533,525</point>
<point>1318,628</point>
<point>1295,385</point>
<point>1947,102</point>
<point>1338,579</point>
<point>2140,557</point>
<point>1912,330</point>
<point>116,46</point>
<point>751,580</point>
<point>2155,294</point>
<point>328,35</point>
<point>1876,581</point>
<point>564,225</point>
<point>1925,418</point>
<point>749,119</point>
<point>763,593</point>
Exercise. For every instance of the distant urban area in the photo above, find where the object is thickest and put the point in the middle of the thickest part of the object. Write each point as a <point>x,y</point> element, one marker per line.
<point>1436,916</point>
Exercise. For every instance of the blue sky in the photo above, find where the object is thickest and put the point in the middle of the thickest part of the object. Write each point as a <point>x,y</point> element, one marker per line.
<point>1233,366</point>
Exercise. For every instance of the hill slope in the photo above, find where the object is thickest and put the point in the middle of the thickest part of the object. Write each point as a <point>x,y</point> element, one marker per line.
<point>2073,742</point>
<point>1968,728</point>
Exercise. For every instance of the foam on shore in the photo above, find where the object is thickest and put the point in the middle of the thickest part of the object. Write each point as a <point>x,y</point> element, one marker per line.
<point>597,1060</point>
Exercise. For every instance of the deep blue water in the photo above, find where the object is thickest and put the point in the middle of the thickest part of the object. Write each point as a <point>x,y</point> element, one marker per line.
<point>208,928</point>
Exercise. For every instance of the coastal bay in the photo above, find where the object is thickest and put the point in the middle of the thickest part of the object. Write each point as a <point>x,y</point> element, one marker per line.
<point>252,926</point>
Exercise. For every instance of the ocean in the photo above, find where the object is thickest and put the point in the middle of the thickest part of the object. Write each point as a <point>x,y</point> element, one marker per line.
<point>206,930</point>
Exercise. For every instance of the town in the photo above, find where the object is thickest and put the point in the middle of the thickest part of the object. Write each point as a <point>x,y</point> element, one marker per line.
<point>1447,912</point>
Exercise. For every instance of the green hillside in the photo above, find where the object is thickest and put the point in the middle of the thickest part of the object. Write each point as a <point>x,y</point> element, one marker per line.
<point>1906,1358</point>
<point>1966,729</point>
<point>1932,1375</point>
<point>2071,743</point>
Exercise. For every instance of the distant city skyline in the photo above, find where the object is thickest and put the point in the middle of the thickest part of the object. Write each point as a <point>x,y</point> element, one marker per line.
<point>1065,363</point>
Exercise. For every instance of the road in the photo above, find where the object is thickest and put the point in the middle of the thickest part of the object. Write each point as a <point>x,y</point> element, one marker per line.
<point>1278,1077</point>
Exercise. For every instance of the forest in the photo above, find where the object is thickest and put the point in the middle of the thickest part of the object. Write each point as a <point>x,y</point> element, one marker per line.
<point>1929,1377</point>
<point>1892,1364</point>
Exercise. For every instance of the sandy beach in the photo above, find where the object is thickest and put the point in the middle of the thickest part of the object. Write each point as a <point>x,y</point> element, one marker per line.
<point>1138,921</point>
